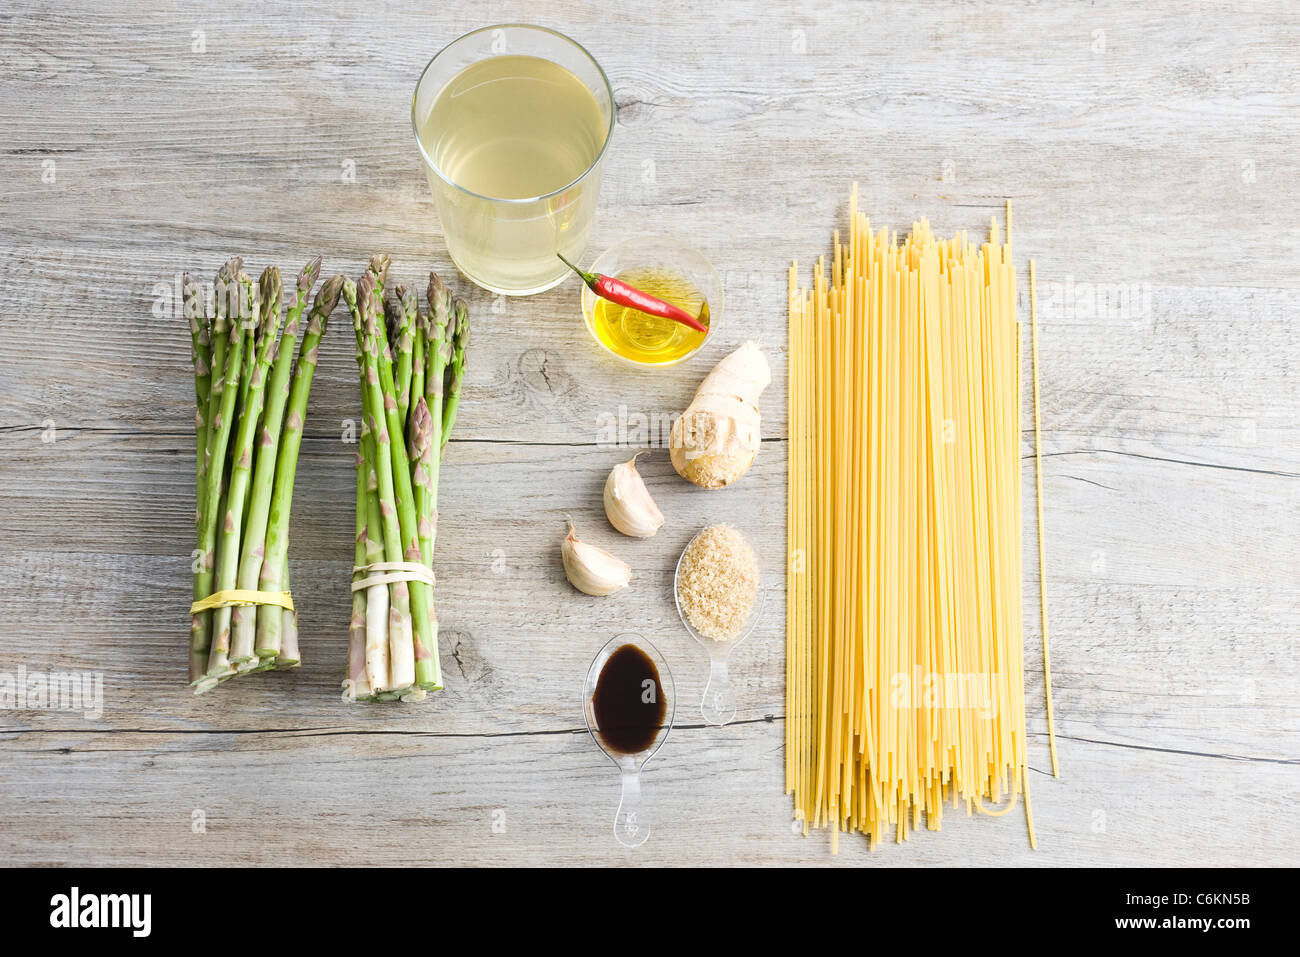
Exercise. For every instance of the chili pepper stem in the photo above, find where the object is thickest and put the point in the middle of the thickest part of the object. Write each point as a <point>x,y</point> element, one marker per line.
<point>590,278</point>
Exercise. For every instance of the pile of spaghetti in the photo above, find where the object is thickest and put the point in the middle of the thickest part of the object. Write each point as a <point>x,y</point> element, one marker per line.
<point>905,684</point>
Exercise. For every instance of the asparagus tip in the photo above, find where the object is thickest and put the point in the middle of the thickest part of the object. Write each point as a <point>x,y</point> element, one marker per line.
<point>269,279</point>
<point>379,264</point>
<point>190,297</point>
<point>365,289</point>
<point>269,288</point>
<point>328,296</point>
<point>307,278</point>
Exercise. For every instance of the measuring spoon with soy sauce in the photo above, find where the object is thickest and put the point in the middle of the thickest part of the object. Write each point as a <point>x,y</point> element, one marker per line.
<point>628,703</point>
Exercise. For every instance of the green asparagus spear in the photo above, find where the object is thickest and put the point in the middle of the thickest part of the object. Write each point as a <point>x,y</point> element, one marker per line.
<point>456,374</point>
<point>258,317</point>
<point>200,336</point>
<point>225,292</point>
<point>244,620</point>
<point>243,310</point>
<point>269,622</point>
<point>226,392</point>
<point>422,442</point>
<point>424,437</point>
<point>378,605</point>
<point>245,314</point>
<point>417,366</point>
<point>201,624</point>
<point>438,353</point>
<point>438,356</point>
<point>201,354</point>
<point>446,335</point>
<point>355,685</point>
<point>404,344</point>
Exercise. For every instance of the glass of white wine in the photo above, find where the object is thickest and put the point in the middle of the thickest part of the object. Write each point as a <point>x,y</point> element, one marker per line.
<point>513,123</point>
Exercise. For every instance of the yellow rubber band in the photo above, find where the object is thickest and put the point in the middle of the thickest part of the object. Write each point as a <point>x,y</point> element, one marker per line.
<point>242,596</point>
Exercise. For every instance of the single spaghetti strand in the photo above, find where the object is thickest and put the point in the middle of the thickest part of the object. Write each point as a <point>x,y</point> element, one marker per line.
<point>1029,809</point>
<point>805,519</point>
<point>1042,549</point>
<point>791,620</point>
<point>823,527</point>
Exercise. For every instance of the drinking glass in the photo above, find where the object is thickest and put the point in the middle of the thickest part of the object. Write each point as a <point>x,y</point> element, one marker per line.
<point>508,245</point>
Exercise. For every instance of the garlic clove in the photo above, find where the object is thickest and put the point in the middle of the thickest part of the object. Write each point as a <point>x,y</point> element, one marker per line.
<point>628,504</point>
<point>592,570</point>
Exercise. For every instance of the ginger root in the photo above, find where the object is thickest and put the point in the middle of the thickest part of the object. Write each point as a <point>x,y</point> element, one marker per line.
<point>715,440</point>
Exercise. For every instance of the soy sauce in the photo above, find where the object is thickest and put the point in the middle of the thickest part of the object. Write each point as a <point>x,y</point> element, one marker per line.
<point>629,701</point>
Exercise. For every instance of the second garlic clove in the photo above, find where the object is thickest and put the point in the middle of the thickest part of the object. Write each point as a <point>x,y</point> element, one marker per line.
<point>592,570</point>
<point>628,504</point>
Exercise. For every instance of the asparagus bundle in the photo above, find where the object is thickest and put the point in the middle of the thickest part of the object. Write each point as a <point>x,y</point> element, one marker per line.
<point>248,430</point>
<point>411,363</point>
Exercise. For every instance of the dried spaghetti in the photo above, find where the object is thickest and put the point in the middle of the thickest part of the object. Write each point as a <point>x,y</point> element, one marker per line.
<point>905,646</point>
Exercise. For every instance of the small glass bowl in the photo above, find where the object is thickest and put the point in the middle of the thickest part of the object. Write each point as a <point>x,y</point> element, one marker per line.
<point>662,253</point>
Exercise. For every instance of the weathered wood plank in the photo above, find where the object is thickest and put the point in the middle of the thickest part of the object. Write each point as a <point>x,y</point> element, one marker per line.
<point>336,797</point>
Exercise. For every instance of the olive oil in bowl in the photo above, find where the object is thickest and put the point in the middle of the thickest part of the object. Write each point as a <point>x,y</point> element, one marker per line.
<point>640,337</point>
<point>668,269</point>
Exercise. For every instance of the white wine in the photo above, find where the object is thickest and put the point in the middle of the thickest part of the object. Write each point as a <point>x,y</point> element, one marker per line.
<point>514,128</point>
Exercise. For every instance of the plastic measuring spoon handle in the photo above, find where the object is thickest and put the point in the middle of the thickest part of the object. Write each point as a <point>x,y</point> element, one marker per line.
<point>630,826</point>
<point>718,706</point>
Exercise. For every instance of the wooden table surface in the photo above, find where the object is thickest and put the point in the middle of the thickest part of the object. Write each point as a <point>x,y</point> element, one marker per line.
<point>1151,154</point>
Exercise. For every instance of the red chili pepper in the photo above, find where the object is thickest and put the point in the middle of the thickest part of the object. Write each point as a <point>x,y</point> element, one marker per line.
<point>615,290</point>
